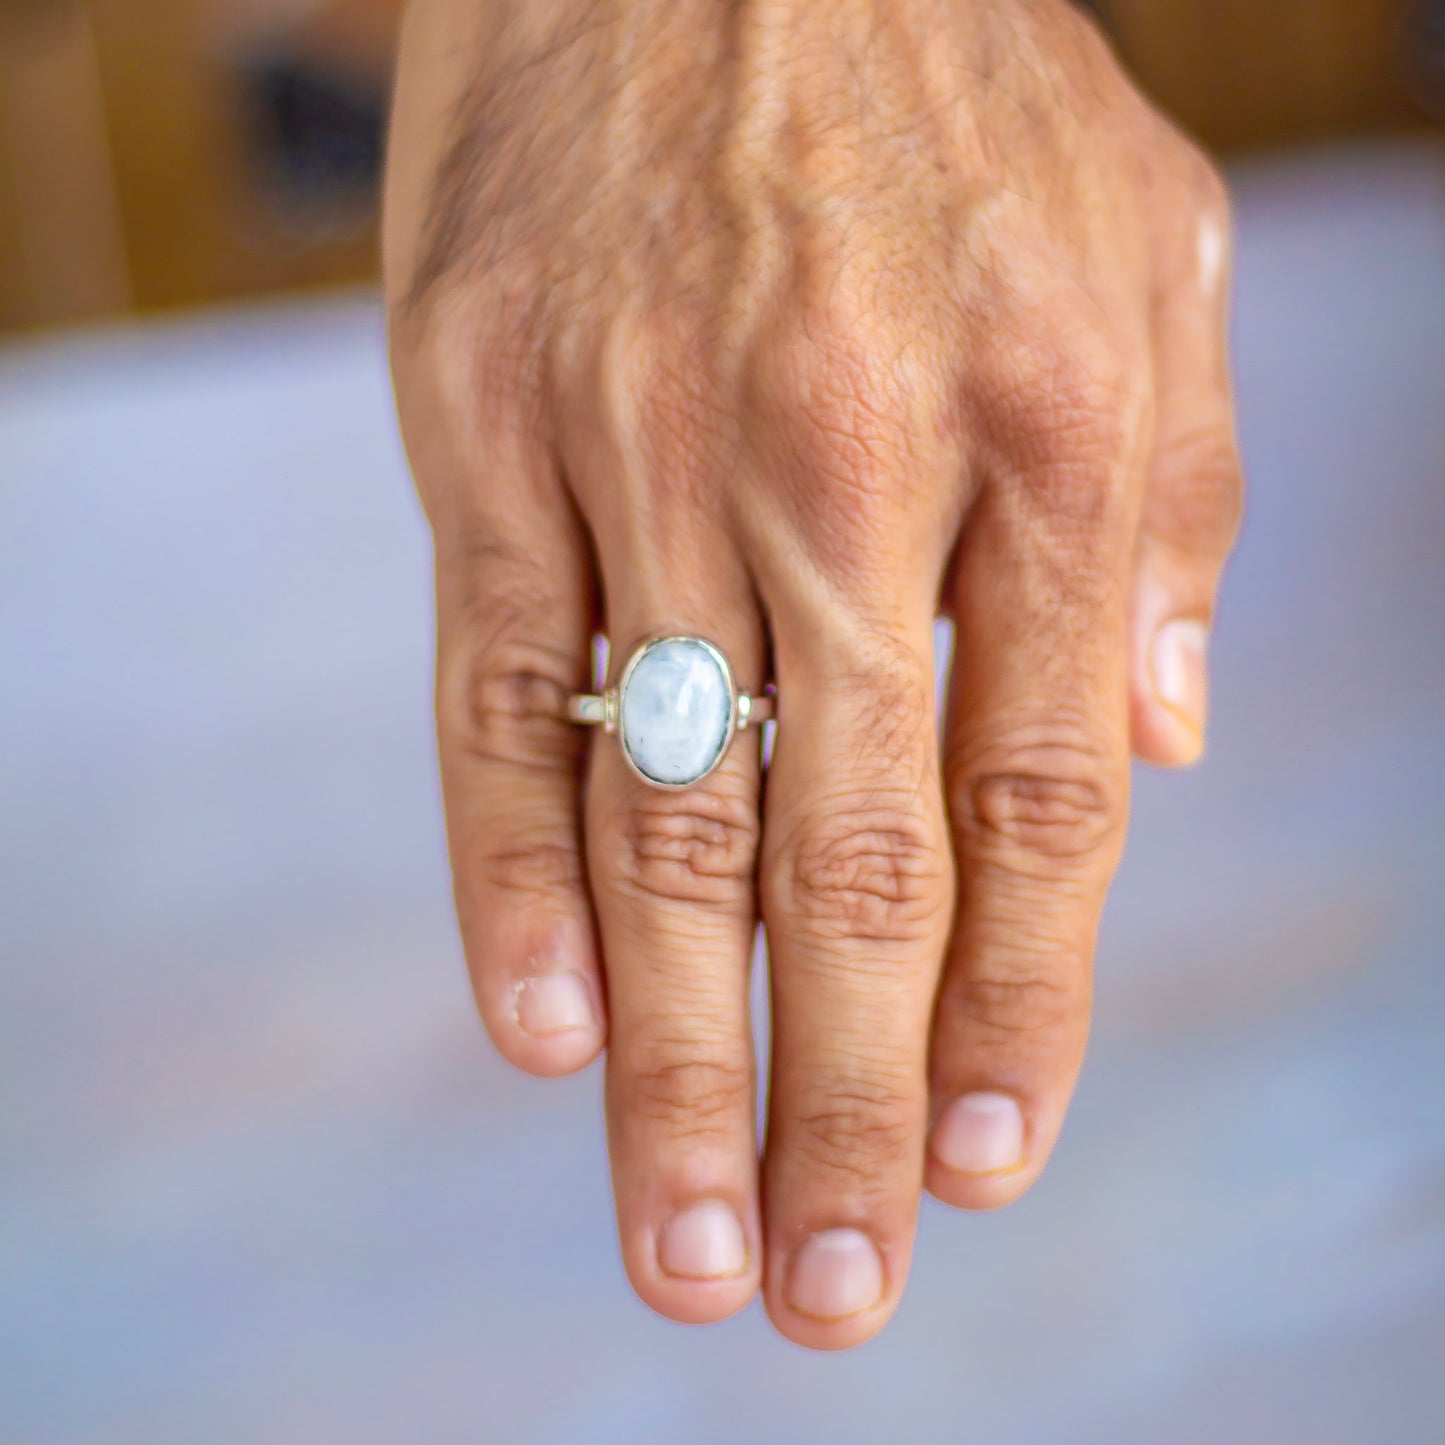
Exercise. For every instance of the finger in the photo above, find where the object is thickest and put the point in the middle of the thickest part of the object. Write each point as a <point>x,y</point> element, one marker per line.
<point>673,875</point>
<point>856,891</point>
<point>674,872</point>
<point>1036,762</point>
<point>1192,504</point>
<point>515,616</point>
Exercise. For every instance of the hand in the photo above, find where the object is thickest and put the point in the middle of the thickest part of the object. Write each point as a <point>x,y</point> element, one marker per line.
<point>793,323</point>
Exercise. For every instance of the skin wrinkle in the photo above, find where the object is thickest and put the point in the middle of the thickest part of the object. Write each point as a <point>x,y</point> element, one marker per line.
<point>788,322</point>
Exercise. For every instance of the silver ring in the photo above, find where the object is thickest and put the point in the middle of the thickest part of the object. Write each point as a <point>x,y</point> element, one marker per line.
<point>676,710</point>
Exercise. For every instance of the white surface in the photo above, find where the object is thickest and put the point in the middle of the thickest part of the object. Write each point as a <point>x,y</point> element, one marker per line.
<point>260,1180</point>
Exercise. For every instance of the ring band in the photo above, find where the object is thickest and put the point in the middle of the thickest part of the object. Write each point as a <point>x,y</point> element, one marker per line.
<point>675,710</point>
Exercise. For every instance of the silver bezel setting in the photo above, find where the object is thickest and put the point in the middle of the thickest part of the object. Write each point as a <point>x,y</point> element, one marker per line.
<point>614,696</point>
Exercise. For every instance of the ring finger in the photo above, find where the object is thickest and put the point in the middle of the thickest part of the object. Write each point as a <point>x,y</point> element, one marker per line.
<point>672,870</point>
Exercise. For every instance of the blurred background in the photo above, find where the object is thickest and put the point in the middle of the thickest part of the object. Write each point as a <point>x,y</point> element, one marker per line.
<point>261,1180</point>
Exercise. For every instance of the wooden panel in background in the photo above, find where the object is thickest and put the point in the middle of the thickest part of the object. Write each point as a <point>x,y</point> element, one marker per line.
<point>1243,73</point>
<point>62,252</point>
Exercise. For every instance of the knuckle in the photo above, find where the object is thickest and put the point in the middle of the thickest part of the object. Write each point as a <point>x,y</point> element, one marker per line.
<point>543,865</point>
<point>501,701</point>
<point>1071,411</point>
<point>661,391</point>
<point>866,873</point>
<point>1050,803</point>
<point>859,1130</point>
<point>1204,488</point>
<point>1197,221</point>
<point>1206,182</point>
<point>697,846</point>
<point>692,1096</point>
<point>479,355</point>
<point>838,393</point>
<point>848,412</point>
<point>1089,398</point>
<point>1018,991</point>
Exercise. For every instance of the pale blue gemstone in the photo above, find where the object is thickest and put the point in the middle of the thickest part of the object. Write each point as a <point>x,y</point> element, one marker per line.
<point>675,712</point>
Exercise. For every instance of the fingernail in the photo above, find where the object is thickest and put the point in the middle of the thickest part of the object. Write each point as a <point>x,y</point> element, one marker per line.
<point>1178,667</point>
<point>554,1003</point>
<point>980,1134</point>
<point>835,1274</point>
<point>703,1242</point>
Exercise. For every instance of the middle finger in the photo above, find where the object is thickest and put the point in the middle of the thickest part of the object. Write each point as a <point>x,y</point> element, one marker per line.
<point>673,879</point>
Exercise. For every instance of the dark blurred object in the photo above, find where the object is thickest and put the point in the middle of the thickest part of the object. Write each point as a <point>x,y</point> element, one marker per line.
<point>316,143</point>
<point>315,93</point>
